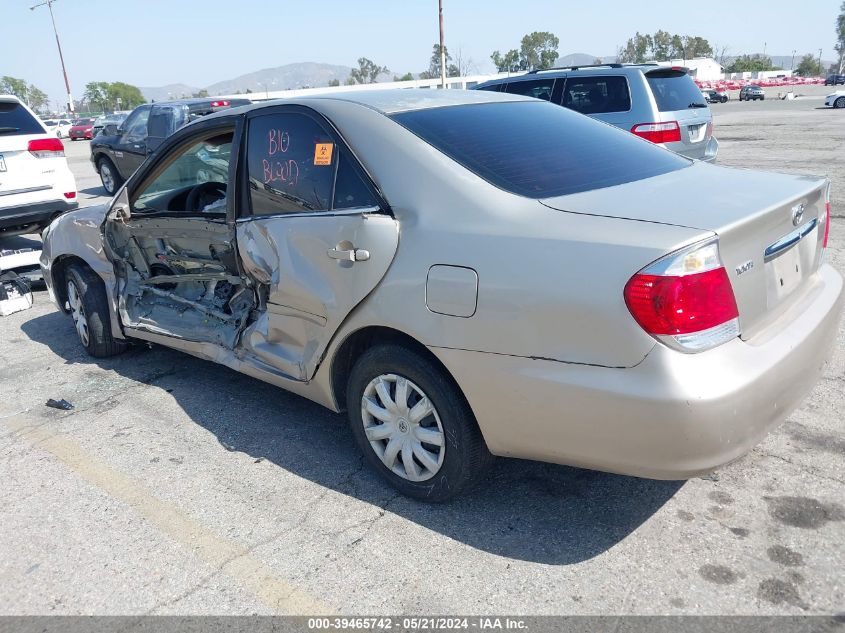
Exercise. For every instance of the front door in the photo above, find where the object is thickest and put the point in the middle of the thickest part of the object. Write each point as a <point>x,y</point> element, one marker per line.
<point>315,237</point>
<point>175,256</point>
<point>131,147</point>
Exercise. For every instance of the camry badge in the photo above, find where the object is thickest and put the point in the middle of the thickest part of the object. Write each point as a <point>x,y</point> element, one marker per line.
<point>797,214</point>
<point>744,268</point>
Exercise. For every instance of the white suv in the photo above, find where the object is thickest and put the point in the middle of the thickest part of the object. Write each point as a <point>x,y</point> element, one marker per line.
<point>36,184</point>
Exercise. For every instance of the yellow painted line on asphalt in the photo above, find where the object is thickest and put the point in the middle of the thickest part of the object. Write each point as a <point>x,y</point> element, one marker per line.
<point>232,559</point>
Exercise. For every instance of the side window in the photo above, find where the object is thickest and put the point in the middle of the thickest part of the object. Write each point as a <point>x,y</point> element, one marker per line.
<point>295,166</point>
<point>193,181</point>
<point>291,162</point>
<point>491,88</point>
<point>537,88</point>
<point>136,124</point>
<point>350,192</point>
<point>594,95</point>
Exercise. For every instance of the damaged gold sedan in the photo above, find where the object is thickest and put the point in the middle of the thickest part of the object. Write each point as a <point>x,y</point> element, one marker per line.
<point>469,274</point>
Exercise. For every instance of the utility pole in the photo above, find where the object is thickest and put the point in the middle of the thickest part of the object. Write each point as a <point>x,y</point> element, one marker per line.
<point>792,65</point>
<point>442,49</point>
<point>820,62</point>
<point>49,4</point>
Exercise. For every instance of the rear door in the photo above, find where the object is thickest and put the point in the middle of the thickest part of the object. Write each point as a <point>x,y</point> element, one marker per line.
<point>314,235</point>
<point>603,97</point>
<point>678,99</point>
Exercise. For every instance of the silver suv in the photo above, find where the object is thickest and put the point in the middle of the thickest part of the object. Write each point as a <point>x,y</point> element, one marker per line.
<point>659,103</point>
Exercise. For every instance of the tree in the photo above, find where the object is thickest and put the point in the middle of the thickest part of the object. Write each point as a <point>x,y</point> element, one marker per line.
<point>405,77</point>
<point>750,63</point>
<point>367,72</point>
<point>839,47</point>
<point>37,98</point>
<point>201,94</point>
<point>808,66</point>
<point>636,49</point>
<point>116,95</point>
<point>509,62</point>
<point>28,93</point>
<point>433,71</point>
<point>538,50</point>
<point>663,47</point>
<point>125,96</point>
<point>97,93</point>
<point>334,83</point>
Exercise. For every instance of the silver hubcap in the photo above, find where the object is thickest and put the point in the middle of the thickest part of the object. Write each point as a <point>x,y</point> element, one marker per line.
<point>403,427</point>
<point>77,311</point>
<point>106,177</point>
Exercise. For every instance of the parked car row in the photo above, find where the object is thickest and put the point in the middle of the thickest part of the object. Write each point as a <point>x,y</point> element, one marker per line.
<point>563,290</point>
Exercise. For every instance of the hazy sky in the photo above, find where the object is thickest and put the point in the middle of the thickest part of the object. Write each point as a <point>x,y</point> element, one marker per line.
<point>156,42</point>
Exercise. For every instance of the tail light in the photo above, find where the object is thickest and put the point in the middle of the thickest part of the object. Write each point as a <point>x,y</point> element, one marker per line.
<point>826,223</point>
<point>219,104</point>
<point>685,299</point>
<point>667,132</point>
<point>709,132</point>
<point>70,195</point>
<point>46,148</point>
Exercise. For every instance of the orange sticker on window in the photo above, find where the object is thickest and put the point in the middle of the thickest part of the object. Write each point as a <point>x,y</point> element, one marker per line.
<point>323,153</point>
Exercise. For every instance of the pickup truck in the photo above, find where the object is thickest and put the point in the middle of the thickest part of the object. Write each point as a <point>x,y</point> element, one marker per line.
<point>118,151</point>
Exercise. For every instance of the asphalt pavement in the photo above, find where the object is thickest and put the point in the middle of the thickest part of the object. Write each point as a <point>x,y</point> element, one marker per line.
<point>176,486</point>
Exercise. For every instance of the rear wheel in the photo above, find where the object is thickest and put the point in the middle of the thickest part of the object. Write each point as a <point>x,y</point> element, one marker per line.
<point>89,309</point>
<point>109,175</point>
<point>413,425</point>
<point>839,103</point>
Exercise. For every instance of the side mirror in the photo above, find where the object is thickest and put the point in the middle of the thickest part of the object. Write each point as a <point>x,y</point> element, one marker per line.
<point>110,129</point>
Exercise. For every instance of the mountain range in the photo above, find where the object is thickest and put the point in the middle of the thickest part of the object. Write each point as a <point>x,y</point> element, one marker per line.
<point>312,74</point>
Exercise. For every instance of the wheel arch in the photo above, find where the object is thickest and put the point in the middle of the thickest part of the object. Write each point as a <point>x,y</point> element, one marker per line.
<point>58,275</point>
<point>359,341</point>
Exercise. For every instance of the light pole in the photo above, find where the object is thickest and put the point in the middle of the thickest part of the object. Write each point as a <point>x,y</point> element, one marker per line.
<point>792,65</point>
<point>49,4</point>
<point>820,62</point>
<point>442,48</point>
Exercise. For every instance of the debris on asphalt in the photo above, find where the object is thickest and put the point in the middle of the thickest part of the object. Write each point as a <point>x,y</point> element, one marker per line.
<point>59,404</point>
<point>15,293</point>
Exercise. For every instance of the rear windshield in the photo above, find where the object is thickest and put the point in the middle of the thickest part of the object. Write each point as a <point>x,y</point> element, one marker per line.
<point>539,150</point>
<point>14,119</point>
<point>674,90</point>
<point>83,122</point>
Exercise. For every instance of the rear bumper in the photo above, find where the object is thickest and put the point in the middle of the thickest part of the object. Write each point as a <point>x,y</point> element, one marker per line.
<point>673,416</point>
<point>36,213</point>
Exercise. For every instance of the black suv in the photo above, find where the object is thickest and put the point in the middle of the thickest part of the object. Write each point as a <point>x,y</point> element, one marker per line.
<point>119,150</point>
<point>833,80</point>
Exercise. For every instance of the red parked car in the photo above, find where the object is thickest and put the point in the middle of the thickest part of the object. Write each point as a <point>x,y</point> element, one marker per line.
<point>82,128</point>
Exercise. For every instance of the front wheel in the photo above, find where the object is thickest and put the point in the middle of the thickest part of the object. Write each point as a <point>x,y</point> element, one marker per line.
<point>89,309</point>
<point>413,425</point>
<point>839,103</point>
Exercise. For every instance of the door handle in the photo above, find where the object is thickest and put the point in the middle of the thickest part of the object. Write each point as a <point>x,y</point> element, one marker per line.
<point>350,255</point>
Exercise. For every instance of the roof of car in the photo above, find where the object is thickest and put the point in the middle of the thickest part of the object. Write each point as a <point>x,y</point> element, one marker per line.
<point>389,101</point>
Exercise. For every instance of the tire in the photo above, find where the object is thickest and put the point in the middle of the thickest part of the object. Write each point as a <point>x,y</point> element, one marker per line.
<point>111,180</point>
<point>839,103</point>
<point>461,459</point>
<point>724,99</point>
<point>86,299</point>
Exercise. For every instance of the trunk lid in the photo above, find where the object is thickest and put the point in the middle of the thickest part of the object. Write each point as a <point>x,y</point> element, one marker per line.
<point>768,227</point>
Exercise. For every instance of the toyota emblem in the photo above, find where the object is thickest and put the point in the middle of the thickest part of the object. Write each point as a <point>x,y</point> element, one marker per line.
<point>797,214</point>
